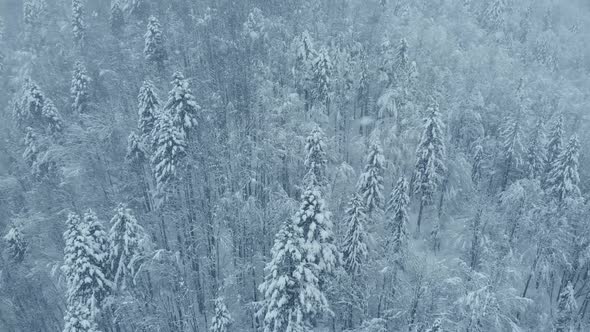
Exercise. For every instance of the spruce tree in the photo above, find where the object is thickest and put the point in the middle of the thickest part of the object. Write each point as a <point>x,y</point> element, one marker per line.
<point>354,246</point>
<point>430,158</point>
<point>154,49</point>
<point>370,184</point>
<point>148,110</point>
<point>316,160</point>
<point>221,321</point>
<point>54,124</point>
<point>95,282</point>
<point>322,72</point>
<point>564,179</point>
<point>477,166</point>
<point>567,310</point>
<point>78,318</point>
<point>79,88</point>
<point>28,105</point>
<point>181,105</point>
<point>512,148</point>
<point>554,146</point>
<point>315,221</point>
<point>136,154</point>
<point>291,290</point>
<point>535,157</point>
<point>17,246</point>
<point>397,222</point>
<point>304,55</point>
<point>169,150</point>
<point>125,238</point>
<point>78,25</point>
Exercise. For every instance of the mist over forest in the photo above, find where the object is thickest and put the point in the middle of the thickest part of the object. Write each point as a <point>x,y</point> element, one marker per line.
<point>294,165</point>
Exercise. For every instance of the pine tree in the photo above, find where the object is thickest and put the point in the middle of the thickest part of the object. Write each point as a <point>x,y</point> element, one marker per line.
<point>181,105</point>
<point>512,148</point>
<point>315,221</point>
<point>322,72</point>
<point>117,18</point>
<point>316,159</point>
<point>79,318</point>
<point>302,72</point>
<point>477,166</point>
<point>79,88</point>
<point>169,150</point>
<point>354,246</point>
<point>78,25</point>
<point>535,158</point>
<point>31,152</point>
<point>564,178</point>
<point>403,62</point>
<point>95,282</point>
<point>554,146</point>
<point>17,246</point>
<point>154,49</point>
<point>136,154</point>
<point>567,310</point>
<point>51,116</point>
<point>370,184</point>
<point>125,238</point>
<point>292,295</point>
<point>148,110</point>
<point>430,156</point>
<point>397,222</point>
<point>221,321</point>
<point>28,106</point>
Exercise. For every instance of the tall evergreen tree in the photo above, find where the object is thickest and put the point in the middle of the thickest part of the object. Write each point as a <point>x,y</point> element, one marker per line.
<point>78,318</point>
<point>322,74</point>
<point>535,157</point>
<point>136,154</point>
<point>79,88</point>
<point>315,159</point>
<point>430,160</point>
<point>370,184</point>
<point>554,146</point>
<point>169,150</point>
<point>148,110</point>
<point>125,249</point>
<point>94,277</point>
<point>291,290</point>
<point>564,178</point>
<point>181,105</point>
<point>221,321</point>
<point>567,310</point>
<point>78,24</point>
<point>512,148</point>
<point>315,221</point>
<point>154,49</point>
<point>28,105</point>
<point>354,246</point>
<point>51,116</point>
<point>397,222</point>
<point>477,166</point>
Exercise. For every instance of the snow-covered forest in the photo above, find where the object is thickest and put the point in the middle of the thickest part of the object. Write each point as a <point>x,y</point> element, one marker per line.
<point>294,165</point>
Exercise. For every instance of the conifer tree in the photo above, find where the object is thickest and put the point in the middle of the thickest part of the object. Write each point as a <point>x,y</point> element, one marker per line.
<point>322,73</point>
<point>95,281</point>
<point>564,178</point>
<point>169,150</point>
<point>567,310</point>
<point>28,107</point>
<point>125,238</point>
<point>148,110</point>
<point>535,158</point>
<point>370,184</point>
<point>78,318</point>
<point>354,246</point>
<point>136,154</point>
<point>78,25</point>
<point>291,291</point>
<point>51,116</point>
<point>315,221</point>
<point>315,159</point>
<point>512,148</point>
<point>477,166</point>
<point>221,321</point>
<point>304,55</point>
<point>554,146</point>
<point>181,105</point>
<point>397,222</point>
<point>154,49</point>
<point>17,246</point>
<point>117,18</point>
<point>79,88</point>
<point>430,157</point>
